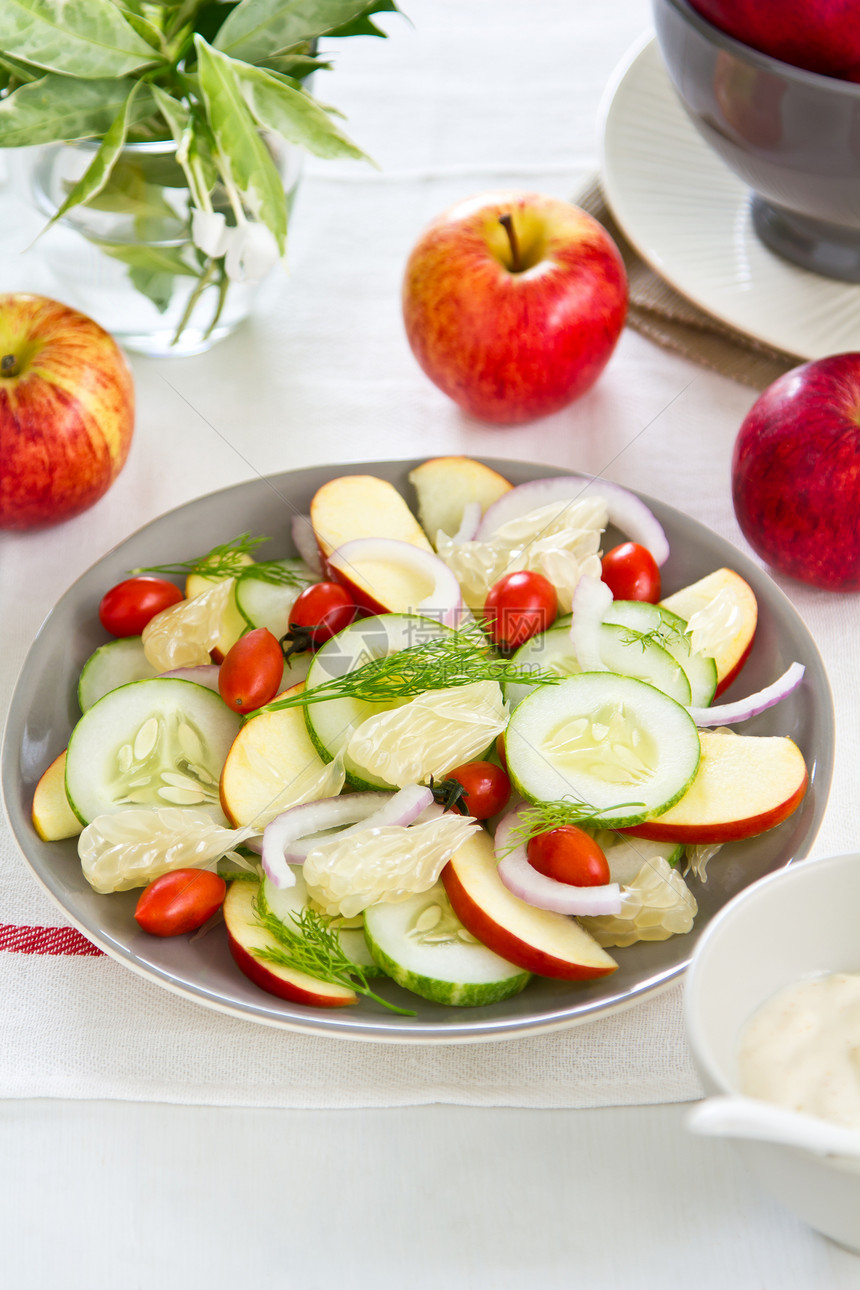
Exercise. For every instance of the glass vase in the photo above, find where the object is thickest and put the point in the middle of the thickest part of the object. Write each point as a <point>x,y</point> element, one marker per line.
<point>126,257</point>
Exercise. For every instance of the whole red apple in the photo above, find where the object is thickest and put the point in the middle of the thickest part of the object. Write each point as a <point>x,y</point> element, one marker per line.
<point>818,35</point>
<point>796,473</point>
<point>513,303</point>
<point>66,411</point>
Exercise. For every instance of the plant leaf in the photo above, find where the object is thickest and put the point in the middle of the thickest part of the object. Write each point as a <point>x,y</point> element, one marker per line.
<point>152,270</point>
<point>61,109</point>
<point>362,25</point>
<point>174,112</point>
<point>297,66</point>
<point>84,38</point>
<point>22,72</point>
<point>193,152</point>
<point>97,173</point>
<point>293,114</point>
<point>237,137</point>
<point>260,29</point>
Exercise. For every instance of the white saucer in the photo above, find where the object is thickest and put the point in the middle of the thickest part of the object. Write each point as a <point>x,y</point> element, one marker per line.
<point>688,217</point>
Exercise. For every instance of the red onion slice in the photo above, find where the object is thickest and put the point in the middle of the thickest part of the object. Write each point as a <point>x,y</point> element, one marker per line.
<point>292,834</point>
<point>203,674</point>
<point>469,523</point>
<point>591,601</point>
<point>627,512</point>
<point>445,601</point>
<point>726,714</point>
<point>524,881</point>
<point>305,542</point>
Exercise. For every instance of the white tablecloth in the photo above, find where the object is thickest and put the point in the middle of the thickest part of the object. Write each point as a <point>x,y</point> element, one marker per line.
<point>462,97</point>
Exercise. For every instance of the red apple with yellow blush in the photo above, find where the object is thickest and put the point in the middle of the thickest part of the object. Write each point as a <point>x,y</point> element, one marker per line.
<point>66,411</point>
<point>513,303</point>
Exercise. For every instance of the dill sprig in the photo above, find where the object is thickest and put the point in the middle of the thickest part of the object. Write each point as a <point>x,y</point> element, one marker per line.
<point>315,948</point>
<point>281,573</point>
<point>225,561</point>
<point>662,634</point>
<point>230,560</point>
<point>457,658</point>
<point>541,817</point>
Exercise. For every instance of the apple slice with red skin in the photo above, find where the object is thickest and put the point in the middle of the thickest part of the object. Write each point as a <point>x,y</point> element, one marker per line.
<point>744,785</point>
<point>53,818</point>
<point>362,506</point>
<point>538,940</point>
<point>724,594</point>
<point>244,936</point>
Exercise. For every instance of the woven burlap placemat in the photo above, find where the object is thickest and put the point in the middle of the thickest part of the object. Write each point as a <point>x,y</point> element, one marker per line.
<point>667,318</point>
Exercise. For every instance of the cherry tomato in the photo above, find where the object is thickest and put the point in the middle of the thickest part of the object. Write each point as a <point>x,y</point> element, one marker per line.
<point>127,608</point>
<point>252,671</point>
<point>631,573</point>
<point>320,612</point>
<point>487,788</point>
<point>501,751</point>
<point>519,606</point>
<point>180,901</point>
<point>570,855</point>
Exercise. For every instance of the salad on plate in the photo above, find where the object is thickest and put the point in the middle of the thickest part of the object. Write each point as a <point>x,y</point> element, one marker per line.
<point>459,748</point>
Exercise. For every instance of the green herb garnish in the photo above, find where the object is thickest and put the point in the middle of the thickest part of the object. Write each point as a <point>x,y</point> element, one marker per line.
<point>225,561</point>
<point>458,658</point>
<point>230,560</point>
<point>662,635</point>
<point>277,573</point>
<point>541,817</point>
<point>315,948</point>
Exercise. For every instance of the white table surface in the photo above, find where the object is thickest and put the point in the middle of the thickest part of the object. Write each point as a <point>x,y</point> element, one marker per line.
<point>465,96</point>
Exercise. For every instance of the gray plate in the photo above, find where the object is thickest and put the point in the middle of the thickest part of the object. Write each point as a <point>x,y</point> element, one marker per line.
<point>44,709</point>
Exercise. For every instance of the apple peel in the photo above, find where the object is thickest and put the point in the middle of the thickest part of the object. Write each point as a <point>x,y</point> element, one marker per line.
<point>626,511</point>
<point>444,602</point>
<point>727,714</point>
<point>524,881</point>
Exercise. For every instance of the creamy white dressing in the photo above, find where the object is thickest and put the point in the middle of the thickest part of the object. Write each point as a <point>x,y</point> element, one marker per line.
<point>801,1049</point>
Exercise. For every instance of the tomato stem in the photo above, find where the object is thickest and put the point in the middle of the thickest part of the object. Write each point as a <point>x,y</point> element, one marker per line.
<point>449,793</point>
<point>507,224</point>
<point>298,640</point>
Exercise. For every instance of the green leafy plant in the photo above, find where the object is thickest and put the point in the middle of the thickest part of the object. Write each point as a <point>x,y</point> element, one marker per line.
<point>224,83</point>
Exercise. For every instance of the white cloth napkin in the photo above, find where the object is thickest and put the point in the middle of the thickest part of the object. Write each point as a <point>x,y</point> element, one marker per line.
<point>465,98</point>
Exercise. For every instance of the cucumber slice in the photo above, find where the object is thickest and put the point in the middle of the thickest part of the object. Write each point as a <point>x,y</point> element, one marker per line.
<point>111,665</point>
<point>332,723</point>
<point>422,945</point>
<point>157,742</point>
<point>614,743</point>
<point>662,627</point>
<point>640,656</point>
<point>283,902</point>
<point>268,604</point>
